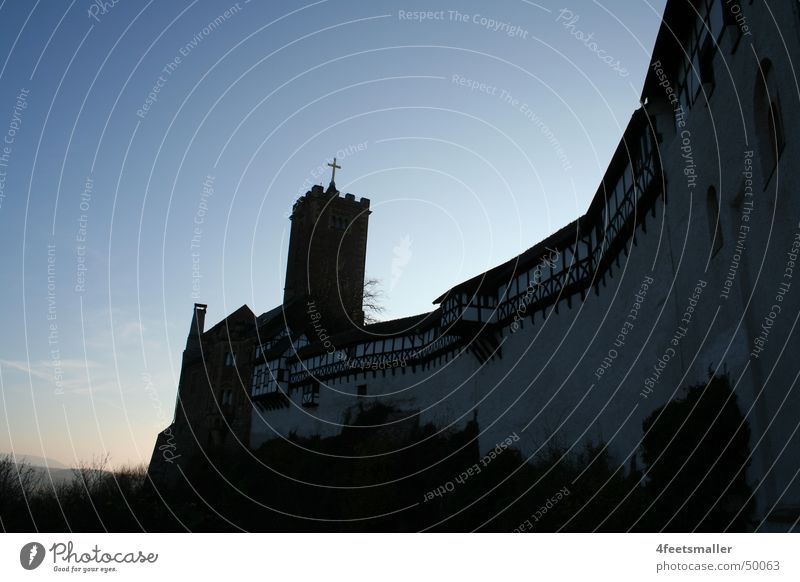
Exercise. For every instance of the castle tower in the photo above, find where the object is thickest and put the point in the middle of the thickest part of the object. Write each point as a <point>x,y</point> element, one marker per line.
<point>192,360</point>
<point>197,328</point>
<point>327,254</point>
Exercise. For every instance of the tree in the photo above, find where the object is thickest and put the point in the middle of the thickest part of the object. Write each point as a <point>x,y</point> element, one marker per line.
<point>696,450</point>
<point>373,301</point>
<point>18,481</point>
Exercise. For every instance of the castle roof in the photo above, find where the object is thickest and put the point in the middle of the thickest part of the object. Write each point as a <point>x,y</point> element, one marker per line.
<point>667,48</point>
<point>238,319</point>
<point>379,330</point>
<point>490,280</point>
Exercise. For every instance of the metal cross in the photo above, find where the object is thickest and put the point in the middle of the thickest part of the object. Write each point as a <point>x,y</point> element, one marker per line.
<point>335,167</point>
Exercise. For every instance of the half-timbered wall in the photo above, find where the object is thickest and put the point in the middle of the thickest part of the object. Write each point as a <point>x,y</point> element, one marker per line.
<point>563,377</point>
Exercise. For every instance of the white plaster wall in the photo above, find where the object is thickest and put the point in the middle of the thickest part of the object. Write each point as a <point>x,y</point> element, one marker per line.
<point>544,386</point>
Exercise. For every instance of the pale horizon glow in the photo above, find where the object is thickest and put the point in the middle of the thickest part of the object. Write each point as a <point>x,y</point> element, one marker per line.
<point>155,153</point>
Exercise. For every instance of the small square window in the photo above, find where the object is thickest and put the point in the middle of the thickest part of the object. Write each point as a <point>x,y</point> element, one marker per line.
<point>339,223</point>
<point>361,390</point>
<point>311,395</point>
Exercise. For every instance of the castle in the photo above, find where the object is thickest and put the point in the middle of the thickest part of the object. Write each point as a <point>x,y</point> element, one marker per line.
<point>682,265</point>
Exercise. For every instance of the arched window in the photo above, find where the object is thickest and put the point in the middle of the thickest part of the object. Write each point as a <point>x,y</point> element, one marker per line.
<point>714,224</point>
<point>768,119</point>
<point>226,397</point>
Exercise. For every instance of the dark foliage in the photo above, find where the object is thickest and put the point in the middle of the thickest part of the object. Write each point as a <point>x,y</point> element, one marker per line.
<point>385,472</point>
<point>697,453</point>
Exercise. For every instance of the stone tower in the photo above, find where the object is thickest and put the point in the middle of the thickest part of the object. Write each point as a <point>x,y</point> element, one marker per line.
<point>327,255</point>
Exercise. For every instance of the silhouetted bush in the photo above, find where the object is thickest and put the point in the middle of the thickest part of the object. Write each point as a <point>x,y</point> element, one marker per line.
<point>381,472</point>
<point>697,452</point>
<point>385,472</point>
<point>18,481</point>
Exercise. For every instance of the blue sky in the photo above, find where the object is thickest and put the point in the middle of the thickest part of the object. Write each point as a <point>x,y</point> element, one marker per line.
<point>475,133</point>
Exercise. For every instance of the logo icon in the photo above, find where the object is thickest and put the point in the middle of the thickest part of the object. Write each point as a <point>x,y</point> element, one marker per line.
<point>31,555</point>
<point>402,256</point>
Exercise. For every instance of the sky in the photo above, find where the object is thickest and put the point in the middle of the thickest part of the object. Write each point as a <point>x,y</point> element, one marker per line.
<point>151,153</point>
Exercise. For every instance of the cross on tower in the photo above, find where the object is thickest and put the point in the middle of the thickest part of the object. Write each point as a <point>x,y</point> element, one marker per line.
<point>335,167</point>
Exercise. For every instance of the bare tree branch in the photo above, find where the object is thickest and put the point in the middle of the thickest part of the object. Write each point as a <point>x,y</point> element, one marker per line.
<point>373,300</point>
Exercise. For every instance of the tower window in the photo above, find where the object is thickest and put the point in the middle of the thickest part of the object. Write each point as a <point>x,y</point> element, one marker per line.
<point>361,390</point>
<point>230,359</point>
<point>226,397</point>
<point>339,223</point>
